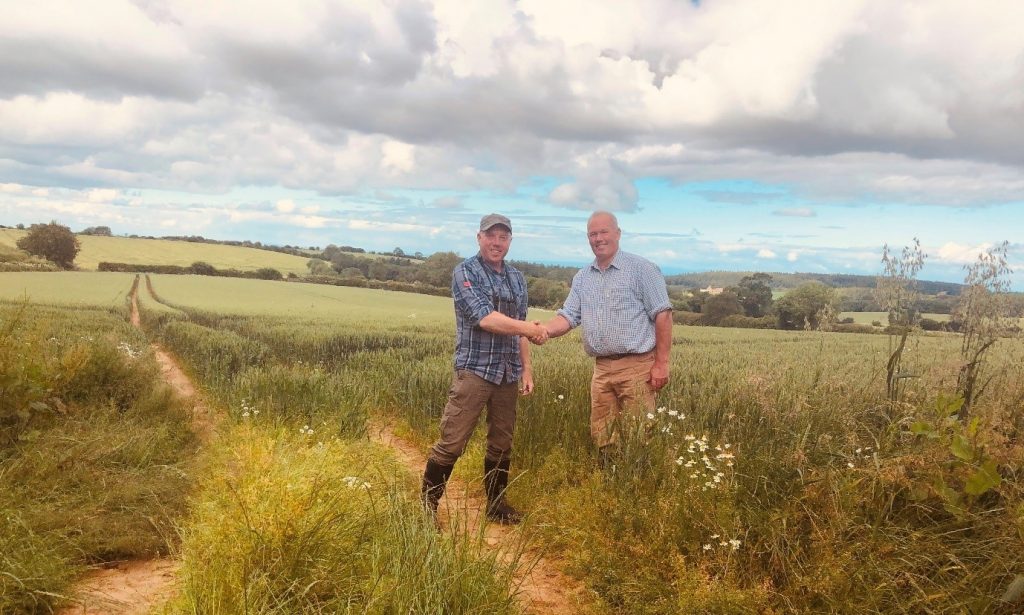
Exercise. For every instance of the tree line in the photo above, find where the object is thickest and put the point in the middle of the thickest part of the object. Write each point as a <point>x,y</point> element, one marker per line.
<point>749,303</point>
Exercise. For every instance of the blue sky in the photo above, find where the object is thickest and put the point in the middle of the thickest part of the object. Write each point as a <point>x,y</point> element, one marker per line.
<point>728,134</point>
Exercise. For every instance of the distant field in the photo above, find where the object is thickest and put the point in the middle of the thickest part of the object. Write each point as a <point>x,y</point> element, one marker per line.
<point>308,302</point>
<point>302,301</point>
<point>165,252</point>
<point>91,288</point>
<point>866,318</point>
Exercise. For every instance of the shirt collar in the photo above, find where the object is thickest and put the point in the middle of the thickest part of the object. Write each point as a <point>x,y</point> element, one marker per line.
<point>615,261</point>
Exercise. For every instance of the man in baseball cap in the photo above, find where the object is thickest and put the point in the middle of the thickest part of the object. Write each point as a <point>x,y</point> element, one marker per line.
<point>492,366</point>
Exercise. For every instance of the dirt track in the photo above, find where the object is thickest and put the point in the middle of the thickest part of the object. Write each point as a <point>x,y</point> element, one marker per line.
<point>543,588</point>
<point>137,587</point>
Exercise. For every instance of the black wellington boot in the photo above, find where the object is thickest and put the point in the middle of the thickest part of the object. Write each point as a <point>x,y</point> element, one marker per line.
<point>435,477</point>
<point>495,482</point>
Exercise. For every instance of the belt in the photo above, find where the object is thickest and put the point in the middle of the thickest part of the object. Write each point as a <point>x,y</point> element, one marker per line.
<point>623,355</point>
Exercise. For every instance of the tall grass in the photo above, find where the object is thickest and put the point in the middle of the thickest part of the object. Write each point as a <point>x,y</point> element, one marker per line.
<point>93,461</point>
<point>285,522</point>
<point>839,500</point>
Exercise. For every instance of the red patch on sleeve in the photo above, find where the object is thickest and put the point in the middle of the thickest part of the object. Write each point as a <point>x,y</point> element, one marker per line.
<point>466,284</point>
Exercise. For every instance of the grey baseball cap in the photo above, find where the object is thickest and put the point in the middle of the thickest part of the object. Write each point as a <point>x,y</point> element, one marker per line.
<point>493,220</point>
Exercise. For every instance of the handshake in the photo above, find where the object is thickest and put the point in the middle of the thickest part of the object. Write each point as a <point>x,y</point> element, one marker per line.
<point>536,332</point>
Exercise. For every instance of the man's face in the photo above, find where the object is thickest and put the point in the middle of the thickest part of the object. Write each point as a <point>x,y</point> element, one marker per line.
<point>604,236</point>
<point>494,244</point>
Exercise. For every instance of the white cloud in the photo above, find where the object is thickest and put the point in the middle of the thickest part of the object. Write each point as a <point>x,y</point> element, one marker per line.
<point>600,185</point>
<point>397,157</point>
<point>848,102</point>
<point>285,206</point>
<point>793,256</point>
<point>961,254</point>
<point>102,195</point>
<point>765,253</point>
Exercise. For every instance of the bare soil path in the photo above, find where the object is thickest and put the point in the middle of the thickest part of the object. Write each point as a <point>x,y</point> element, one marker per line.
<point>543,588</point>
<point>136,587</point>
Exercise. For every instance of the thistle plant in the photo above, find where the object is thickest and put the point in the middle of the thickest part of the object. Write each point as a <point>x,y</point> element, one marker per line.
<point>897,293</point>
<point>982,316</point>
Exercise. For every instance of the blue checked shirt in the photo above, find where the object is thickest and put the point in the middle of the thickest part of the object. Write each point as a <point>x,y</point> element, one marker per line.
<point>478,290</point>
<point>617,306</point>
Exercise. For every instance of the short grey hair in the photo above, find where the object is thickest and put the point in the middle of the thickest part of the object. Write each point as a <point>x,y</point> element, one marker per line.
<point>615,221</point>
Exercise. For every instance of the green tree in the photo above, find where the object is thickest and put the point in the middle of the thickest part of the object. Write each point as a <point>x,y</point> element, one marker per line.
<point>54,242</point>
<point>203,268</point>
<point>808,306</point>
<point>268,273</point>
<point>437,269</point>
<point>545,292</point>
<point>320,267</point>
<point>755,294</point>
<point>103,231</point>
<point>717,307</point>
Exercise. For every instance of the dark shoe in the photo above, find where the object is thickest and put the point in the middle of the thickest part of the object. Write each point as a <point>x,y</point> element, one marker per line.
<point>495,482</point>
<point>435,477</point>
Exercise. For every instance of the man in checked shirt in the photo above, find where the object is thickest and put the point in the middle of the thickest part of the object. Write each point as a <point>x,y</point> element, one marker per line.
<point>492,365</point>
<point>622,302</point>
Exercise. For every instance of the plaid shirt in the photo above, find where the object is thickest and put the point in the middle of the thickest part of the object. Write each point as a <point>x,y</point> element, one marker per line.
<point>617,306</point>
<point>478,290</point>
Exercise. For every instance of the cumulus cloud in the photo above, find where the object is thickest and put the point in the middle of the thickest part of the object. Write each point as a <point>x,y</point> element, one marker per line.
<point>862,100</point>
<point>961,254</point>
<point>600,185</point>
<point>765,253</point>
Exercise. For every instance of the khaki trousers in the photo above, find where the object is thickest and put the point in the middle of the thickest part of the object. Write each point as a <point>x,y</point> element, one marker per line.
<point>466,399</point>
<point>619,385</point>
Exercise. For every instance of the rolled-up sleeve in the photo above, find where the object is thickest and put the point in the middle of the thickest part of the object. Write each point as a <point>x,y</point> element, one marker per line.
<point>654,293</point>
<point>572,309</point>
<point>469,297</point>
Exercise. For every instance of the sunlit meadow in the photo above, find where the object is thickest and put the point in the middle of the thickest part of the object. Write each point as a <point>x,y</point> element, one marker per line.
<point>776,476</point>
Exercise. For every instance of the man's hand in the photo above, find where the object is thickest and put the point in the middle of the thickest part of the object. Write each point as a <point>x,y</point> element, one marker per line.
<point>659,376</point>
<point>538,334</point>
<point>526,382</point>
